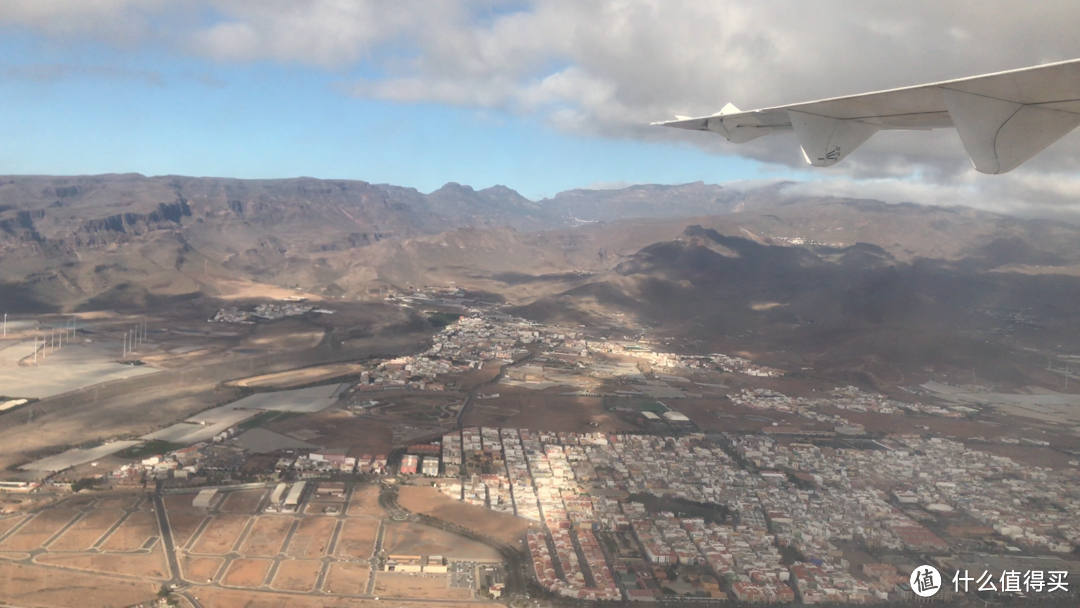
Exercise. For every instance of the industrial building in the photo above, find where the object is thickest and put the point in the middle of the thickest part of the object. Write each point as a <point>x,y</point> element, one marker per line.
<point>335,489</point>
<point>430,466</point>
<point>292,501</point>
<point>528,373</point>
<point>275,497</point>
<point>203,499</point>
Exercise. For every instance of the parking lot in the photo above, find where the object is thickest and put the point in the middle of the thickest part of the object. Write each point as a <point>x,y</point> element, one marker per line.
<point>462,574</point>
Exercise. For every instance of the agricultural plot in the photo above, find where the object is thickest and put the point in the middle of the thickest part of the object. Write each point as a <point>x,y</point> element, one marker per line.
<point>76,456</point>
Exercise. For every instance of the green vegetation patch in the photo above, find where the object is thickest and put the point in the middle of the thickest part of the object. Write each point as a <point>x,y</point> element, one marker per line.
<point>266,418</point>
<point>681,507</point>
<point>442,319</point>
<point>84,484</point>
<point>150,448</point>
<point>654,407</point>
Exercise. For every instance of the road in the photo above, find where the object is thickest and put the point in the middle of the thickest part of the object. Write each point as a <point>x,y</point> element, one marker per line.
<point>512,556</point>
<point>472,392</point>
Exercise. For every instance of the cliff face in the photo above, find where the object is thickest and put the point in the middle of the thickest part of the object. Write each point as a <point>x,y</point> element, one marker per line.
<point>69,238</point>
<point>63,215</point>
<point>115,240</point>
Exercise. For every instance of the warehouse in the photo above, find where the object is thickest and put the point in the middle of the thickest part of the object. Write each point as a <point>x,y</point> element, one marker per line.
<point>275,496</point>
<point>295,493</point>
<point>203,499</point>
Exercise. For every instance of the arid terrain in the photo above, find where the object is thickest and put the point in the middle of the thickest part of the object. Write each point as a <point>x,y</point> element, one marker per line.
<point>314,354</point>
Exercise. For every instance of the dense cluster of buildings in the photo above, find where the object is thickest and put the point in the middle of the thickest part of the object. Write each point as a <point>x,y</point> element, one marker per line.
<point>846,398</point>
<point>670,361</point>
<point>781,496</point>
<point>486,335</point>
<point>264,312</point>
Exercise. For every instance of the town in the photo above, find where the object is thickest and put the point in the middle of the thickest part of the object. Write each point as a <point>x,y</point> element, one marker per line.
<point>813,509</point>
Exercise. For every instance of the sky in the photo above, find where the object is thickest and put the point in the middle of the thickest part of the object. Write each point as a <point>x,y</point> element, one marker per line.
<point>541,96</point>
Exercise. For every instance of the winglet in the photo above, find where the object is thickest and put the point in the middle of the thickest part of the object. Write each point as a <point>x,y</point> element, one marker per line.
<point>728,109</point>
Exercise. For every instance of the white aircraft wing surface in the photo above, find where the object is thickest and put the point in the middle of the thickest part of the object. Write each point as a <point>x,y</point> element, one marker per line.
<point>1003,118</point>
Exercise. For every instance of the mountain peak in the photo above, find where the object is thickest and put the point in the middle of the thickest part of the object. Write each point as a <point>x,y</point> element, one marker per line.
<point>454,187</point>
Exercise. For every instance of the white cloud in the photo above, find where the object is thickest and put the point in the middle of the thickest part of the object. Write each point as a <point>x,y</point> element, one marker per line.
<point>608,67</point>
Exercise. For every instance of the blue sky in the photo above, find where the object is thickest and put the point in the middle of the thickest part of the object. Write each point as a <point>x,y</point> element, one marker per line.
<point>87,108</point>
<point>538,95</point>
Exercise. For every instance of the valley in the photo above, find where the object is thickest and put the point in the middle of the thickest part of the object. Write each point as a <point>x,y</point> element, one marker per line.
<point>350,391</point>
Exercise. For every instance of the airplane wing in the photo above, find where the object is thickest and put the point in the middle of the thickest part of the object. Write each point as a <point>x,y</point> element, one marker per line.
<point>1003,118</point>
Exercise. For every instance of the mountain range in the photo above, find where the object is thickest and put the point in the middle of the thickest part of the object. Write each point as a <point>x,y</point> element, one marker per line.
<point>850,284</point>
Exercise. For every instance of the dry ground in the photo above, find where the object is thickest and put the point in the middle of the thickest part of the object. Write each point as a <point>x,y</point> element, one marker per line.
<point>266,536</point>
<point>23,585</point>
<point>407,538</point>
<point>1027,455</point>
<point>84,533</point>
<point>337,429</point>
<point>199,569</point>
<point>220,535</point>
<point>297,575</point>
<point>181,502</point>
<point>311,537</point>
<point>299,377</point>
<point>104,412</point>
<point>429,501</point>
<point>550,412</point>
<point>427,587</point>
<point>365,502</point>
<point>245,572</point>
<point>260,599</point>
<point>357,538</point>
<point>8,523</point>
<point>117,502</point>
<point>150,565</point>
<point>703,412</point>
<point>38,530</point>
<point>284,334</point>
<point>133,533</point>
<point>183,524</point>
<point>244,501</point>
<point>347,578</point>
